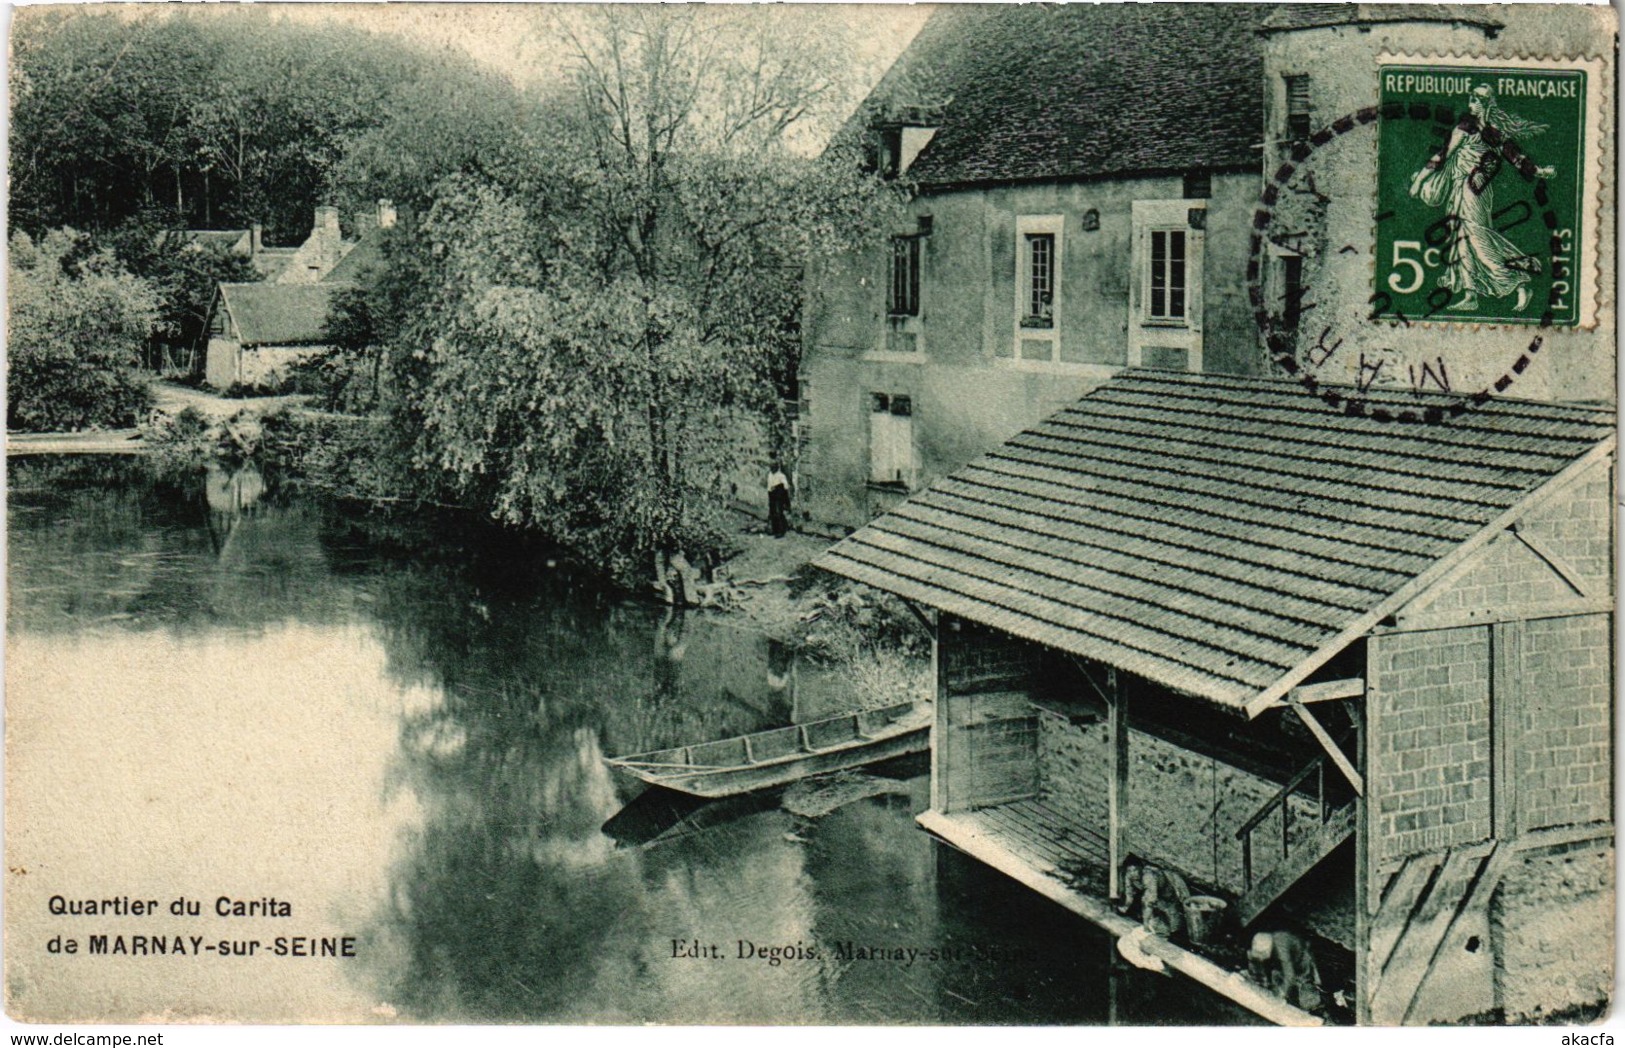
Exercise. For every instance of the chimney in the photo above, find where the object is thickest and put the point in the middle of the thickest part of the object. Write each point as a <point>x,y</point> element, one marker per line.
<point>329,241</point>
<point>386,214</point>
<point>256,239</point>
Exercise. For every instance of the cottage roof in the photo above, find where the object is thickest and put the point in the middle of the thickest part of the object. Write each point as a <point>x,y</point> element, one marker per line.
<point>279,314</point>
<point>1315,16</point>
<point>1221,536</point>
<point>1024,92</point>
<point>209,239</point>
<point>366,258</point>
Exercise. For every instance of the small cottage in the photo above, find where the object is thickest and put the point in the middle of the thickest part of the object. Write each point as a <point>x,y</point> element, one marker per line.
<point>1351,676</point>
<point>257,331</point>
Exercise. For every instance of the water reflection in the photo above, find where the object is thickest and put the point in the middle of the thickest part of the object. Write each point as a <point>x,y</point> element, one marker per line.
<point>400,723</point>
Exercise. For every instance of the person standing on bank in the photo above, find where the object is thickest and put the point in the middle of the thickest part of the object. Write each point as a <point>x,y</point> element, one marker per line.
<point>778,501</point>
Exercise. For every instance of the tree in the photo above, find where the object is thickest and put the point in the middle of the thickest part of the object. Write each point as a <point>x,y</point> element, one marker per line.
<point>77,330</point>
<point>607,343</point>
<point>185,275</point>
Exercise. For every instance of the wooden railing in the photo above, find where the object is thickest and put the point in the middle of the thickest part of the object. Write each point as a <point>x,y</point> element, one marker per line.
<point>1317,768</point>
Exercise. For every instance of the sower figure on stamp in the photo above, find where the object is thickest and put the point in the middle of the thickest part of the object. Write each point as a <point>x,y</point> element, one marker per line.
<point>1478,260</point>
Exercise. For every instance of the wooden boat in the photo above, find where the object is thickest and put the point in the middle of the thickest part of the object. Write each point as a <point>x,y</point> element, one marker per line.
<point>728,767</point>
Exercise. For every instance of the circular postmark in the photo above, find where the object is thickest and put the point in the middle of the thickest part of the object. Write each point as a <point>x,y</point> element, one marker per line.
<point>1468,250</point>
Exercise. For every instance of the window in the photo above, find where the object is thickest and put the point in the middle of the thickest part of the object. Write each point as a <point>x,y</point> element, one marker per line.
<point>891,439</point>
<point>1039,250</point>
<point>1291,291</point>
<point>904,297</point>
<point>1297,106</point>
<point>1198,185</point>
<point>1040,282</point>
<point>1166,300</point>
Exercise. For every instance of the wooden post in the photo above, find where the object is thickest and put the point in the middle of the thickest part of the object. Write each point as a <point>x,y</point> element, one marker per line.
<point>1117,785</point>
<point>940,744</point>
<point>1506,642</point>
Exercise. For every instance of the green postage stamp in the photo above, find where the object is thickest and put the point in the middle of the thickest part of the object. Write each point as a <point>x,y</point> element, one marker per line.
<point>1483,200</point>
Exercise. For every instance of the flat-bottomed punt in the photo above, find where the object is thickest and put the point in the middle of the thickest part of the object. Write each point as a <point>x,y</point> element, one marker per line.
<point>764,759</point>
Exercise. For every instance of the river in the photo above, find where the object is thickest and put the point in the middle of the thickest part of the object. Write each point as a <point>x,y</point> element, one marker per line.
<point>219,694</point>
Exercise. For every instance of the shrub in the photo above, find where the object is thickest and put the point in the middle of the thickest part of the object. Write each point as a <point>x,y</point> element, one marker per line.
<point>78,328</point>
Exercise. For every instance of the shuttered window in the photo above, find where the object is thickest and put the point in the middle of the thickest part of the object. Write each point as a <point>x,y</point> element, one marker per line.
<point>1291,291</point>
<point>891,439</point>
<point>1297,106</point>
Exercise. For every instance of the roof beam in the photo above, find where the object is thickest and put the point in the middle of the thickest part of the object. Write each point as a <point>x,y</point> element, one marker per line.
<point>1325,691</point>
<point>1333,750</point>
<point>1539,548</point>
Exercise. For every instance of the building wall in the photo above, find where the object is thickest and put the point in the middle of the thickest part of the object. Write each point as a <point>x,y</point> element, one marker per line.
<point>228,363</point>
<point>1552,922</point>
<point>969,390</point>
<point>1562,758</point>
<point>1342,64</point>
<point>1183,808</point>
<point>220,367</point>
<point>1428,752</point>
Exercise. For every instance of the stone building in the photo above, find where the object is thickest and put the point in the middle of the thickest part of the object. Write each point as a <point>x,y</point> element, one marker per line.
<point>1352,676</point>
<point>1086,182</point>
<point>258,330</point>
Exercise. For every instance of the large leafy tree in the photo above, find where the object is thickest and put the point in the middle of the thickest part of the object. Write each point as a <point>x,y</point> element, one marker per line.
<point>611,336</point>
<point>78,324</point>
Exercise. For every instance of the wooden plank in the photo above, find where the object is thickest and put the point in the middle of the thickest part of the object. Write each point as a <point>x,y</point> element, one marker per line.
<point>1506,709</point>
<point>1490,873</point>
<point>1538,546</point>
<point>1117,783</point>
<point>1395,910</point>
<point>1333,750</point>
<point>941,743</point>
<point>1232,985</point>
<point>1408,966</point>
<point>1325,691</point>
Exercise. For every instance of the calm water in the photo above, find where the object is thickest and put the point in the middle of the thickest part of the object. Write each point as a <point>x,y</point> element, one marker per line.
<point>397,728</point>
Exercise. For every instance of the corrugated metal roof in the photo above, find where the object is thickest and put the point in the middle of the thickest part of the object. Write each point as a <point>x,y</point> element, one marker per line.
<point>280,314</point>
<point>1211,533</point>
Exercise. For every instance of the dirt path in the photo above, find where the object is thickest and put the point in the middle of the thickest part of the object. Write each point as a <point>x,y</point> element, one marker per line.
<point>172,399</point>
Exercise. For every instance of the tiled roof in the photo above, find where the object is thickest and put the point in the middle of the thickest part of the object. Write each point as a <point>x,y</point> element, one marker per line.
<point>363,260</point>
<point>1312,16</point>
<point>279,314</point>
<point>1039,91</point>
<point>1220,536</point>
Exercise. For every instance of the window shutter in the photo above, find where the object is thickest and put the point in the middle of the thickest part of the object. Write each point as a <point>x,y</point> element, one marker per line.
<point>1297,105</point>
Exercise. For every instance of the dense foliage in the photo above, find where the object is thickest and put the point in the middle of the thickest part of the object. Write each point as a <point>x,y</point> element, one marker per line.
<point>78,325</point>
<point>226,118</point>
<point>597,346</point>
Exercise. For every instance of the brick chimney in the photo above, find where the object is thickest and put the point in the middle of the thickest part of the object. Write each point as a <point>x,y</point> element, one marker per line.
<point>386,214</point>
<point>256,239</point>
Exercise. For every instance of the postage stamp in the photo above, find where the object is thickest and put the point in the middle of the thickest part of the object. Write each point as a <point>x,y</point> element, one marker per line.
<point>1484,219</point>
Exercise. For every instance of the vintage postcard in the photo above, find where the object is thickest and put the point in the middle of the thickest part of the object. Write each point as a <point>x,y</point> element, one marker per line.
<point>811,515</point>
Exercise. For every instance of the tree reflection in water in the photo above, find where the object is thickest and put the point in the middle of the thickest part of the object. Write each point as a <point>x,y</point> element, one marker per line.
<point>505,677</point>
